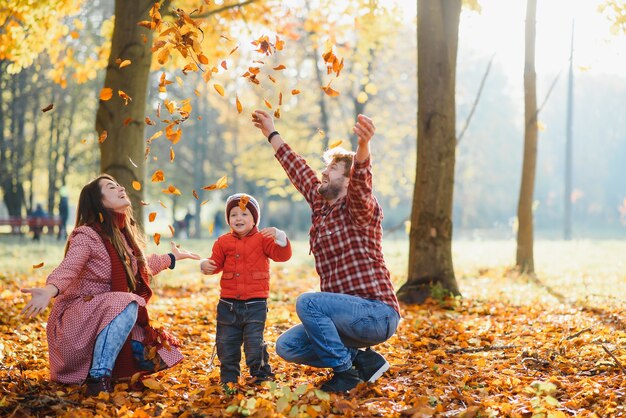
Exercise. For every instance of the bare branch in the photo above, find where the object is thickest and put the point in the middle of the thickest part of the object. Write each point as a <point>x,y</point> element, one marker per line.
<point>480,89</point>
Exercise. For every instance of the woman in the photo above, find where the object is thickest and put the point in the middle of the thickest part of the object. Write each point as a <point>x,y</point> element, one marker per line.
<point>98,327</point>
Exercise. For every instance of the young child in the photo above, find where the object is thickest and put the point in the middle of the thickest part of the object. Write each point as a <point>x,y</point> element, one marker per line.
<point>242,255</point>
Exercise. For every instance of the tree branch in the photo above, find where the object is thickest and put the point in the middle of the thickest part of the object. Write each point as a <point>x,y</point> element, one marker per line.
<point>480,89</point>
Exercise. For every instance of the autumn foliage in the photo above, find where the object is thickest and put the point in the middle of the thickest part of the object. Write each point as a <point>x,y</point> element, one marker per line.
<point>514,347</point>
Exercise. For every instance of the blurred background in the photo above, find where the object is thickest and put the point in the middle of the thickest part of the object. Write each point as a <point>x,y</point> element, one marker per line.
<point>58,55</point>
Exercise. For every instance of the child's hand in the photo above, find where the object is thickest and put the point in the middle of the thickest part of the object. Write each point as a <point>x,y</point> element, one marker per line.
<point>269,232</point>
<point>207,266</point>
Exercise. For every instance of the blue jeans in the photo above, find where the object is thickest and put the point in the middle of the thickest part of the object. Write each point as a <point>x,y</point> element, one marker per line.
<point>110,341</point>
<point>241,322</point>
<point>333,326</point>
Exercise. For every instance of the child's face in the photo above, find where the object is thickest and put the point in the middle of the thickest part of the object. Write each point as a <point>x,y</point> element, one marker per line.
<point>240,221</point>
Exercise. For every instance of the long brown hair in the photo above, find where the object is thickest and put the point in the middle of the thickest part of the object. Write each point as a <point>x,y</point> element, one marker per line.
<point>91,212</point>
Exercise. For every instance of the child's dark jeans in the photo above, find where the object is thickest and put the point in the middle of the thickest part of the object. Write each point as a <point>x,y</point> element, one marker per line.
<point>242,322</point>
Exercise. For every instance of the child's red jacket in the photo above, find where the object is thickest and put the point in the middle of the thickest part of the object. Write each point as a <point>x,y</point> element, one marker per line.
<point>244,263</point>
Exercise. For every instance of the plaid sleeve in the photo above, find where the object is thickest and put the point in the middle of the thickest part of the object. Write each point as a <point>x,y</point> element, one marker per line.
<point>301,175</point>
<point>361,202</point>
<point>158,262</point>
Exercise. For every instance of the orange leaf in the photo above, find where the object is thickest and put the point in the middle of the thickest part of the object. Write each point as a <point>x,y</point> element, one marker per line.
<point>330,91</point>
<point>154,136</point>
<point>195,194</point>
<point>277,113</point>
<point>36,266</point>
<point>268,104</point>
<point>157,238</point>
<point>47,108</point>
<point>172,230</point>
<point>272,78</point>
<point>158,176</point>
<point>224,65</point>
<point>172,155</point>
<point>136,185</point>
<point>152,216</point>
<point>103,136</point>
<point>125,63</point>
<point>149,121</point>
<point>204,60</point>
<point>219,89</point>
<point>162,204</point>
<point>106,93</point>
<point>239,106</point>
<point>171,190</point>
<point>127,121</point>
<point>222,183</point>
<point>101,217</point>
<point>280,99</point>
<point>335,144</point>
<point>233,50</point>
<point>295,91</point>
<point>280,67</point>
<point>243,202</point>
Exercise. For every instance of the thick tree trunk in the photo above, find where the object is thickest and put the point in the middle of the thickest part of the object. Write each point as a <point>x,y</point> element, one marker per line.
<point>525,258</point>
<point>124,142</point>
<point>430,248</point>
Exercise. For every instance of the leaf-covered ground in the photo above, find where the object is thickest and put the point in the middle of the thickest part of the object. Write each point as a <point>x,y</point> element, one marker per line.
<point>549,346</point>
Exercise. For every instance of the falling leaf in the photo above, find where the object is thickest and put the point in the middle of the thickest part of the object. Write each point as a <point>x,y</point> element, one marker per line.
<point>196,92</point>
<point>158,176</point>
<point>321,132</point>
<point>267,103</point>
<point>162,204</point>
<point>171,190</point>
<point>204,202</point>
<point>239,106</point>
<point>222,183</point>
<point>124,96</point>
<point>243,202</point>
<point>47,108</point>
<point>149,121</point>
<point>101,217</point>
<point>172,230</point>
<point>172,155</point>
<point>152,216</point>
<point>125,63</point>
<point>154,136</point>
<point>219,89</point>
<point>179,81</point>
<point>136,185</point>
<point>157,238</point>
<point>233,50</point>
<point>295,91</point>
<point>144,203</point>
<point>224,65</point>
<point>204,60</point>
<point>103,136</point>
<point>158,111</point>
<point>277,113</point>
<point>83,141</point>
<point>195,194</point>
<point>127,121</point>
<point>280,67</point>
<point>335,144</point>
<point>40,265</point>
<point>106,93</point>
<point>280,99</point>
<point>271,78</point>
<point>330,91</point>
<point>211,226</point>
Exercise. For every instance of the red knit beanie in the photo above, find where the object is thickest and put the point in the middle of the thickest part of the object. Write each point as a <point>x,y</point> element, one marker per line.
<point>252,205</point>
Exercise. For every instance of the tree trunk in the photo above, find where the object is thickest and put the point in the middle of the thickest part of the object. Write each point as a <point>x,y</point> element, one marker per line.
<point>525,259</point>
<point>124,142</point>
<point>430,248</point>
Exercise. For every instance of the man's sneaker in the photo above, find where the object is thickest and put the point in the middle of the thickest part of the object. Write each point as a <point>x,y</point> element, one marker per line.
<point>342,381</point>
<point>370,365</point>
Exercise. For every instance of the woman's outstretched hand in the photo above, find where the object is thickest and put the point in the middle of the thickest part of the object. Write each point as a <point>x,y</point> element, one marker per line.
<point>181,254</point>
<point>39,301</point>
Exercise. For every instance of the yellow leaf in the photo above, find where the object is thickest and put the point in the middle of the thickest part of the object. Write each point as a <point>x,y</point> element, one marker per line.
<point>335,144</point>
<point>267,103</point>
<point>172,155</point>
<point>158,176</point>
<point>125,63</point>
<point>136,185</point>
<point>219,89</point>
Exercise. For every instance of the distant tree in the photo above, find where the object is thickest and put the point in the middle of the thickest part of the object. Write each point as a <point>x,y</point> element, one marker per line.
<point>525,233</point>
<point>430,247</point>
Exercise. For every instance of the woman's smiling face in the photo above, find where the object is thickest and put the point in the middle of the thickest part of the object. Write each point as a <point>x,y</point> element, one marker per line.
<point>113,196</point>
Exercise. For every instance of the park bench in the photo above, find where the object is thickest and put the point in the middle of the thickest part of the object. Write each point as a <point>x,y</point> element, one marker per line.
<point>18,224</point>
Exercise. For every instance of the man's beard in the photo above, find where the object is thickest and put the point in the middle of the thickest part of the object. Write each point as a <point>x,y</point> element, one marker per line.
<point>329,191</point>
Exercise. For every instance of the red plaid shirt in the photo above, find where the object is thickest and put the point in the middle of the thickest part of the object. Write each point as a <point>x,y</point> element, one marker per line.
<point>345,238</point>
